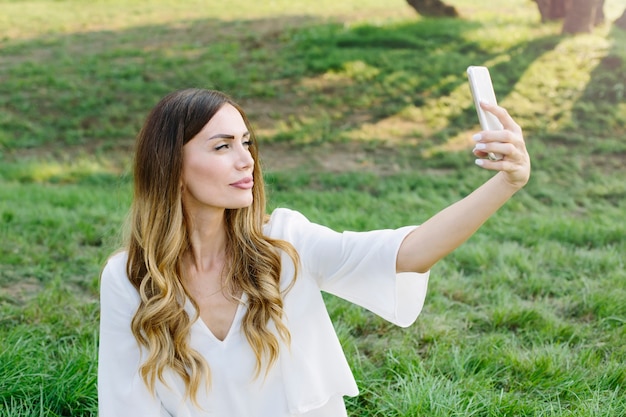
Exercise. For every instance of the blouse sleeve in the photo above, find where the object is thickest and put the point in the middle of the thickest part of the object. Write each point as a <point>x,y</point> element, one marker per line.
<point>121,390</point>
<point>359,267</point>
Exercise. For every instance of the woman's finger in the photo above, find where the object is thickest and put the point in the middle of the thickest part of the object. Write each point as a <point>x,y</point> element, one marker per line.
<point>483,149</point>
<point>500,165</point>
<point>497,136</point>
<point>505,118</point>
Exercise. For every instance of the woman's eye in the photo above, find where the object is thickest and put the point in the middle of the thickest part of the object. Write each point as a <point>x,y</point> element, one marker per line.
<point>248,143</point>
<point>220,147</point>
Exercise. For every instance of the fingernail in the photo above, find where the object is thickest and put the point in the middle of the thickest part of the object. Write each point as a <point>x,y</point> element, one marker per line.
<point>477,137</point>
<point>479,162</point>
<point>480,146</point>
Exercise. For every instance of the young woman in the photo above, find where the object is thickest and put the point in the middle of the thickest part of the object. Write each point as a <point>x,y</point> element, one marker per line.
<point>214,308</point>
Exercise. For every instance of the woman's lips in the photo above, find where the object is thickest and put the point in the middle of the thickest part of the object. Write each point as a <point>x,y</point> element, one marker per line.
<point>244,183</point>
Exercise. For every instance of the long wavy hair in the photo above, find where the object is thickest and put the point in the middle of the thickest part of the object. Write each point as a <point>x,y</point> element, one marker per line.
<point>159,237</point>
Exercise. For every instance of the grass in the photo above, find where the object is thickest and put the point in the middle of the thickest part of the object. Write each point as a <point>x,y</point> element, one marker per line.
<point>364,116</point>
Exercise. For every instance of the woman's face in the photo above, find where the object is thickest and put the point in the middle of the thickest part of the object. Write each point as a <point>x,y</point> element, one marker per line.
<point>217,164</point>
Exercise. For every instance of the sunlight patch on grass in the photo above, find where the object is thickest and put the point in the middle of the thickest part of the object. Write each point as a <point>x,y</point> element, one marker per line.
<point>329,81</point>
<point>412,124</point>
<point>55,171</point>
<point>405,127</point>
<point>359,71</point>
<point>26,20</point>
<point>546,93</point>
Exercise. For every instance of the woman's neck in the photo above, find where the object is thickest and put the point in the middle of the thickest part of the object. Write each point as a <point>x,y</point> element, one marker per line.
<point>207,236</point>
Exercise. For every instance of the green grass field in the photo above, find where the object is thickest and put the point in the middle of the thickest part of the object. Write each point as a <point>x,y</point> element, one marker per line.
<point>364,120</point>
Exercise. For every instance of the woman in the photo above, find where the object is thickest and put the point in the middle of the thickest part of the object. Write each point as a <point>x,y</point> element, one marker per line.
<point>215,308</point>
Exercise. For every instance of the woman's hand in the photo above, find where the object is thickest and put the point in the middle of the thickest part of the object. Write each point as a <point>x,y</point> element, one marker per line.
<point>515,164</point>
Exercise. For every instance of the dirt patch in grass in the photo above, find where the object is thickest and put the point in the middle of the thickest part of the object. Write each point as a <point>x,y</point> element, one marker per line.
<point>336,158</point>
<point>20,291</point>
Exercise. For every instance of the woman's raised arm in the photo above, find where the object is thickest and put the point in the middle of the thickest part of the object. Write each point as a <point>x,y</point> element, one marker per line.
<point>449,228</point>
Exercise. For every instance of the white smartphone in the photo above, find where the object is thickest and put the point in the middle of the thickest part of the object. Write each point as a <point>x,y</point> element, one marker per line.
<point>482,90</point>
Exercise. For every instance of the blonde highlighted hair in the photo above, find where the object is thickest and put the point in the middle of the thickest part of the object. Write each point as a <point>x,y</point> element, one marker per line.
<point>158,239</point>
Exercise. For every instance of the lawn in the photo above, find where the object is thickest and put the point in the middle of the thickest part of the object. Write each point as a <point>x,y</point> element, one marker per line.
<point>364,120</point>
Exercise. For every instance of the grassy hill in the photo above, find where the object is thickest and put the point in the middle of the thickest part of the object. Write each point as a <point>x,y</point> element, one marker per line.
<point>364,121</point>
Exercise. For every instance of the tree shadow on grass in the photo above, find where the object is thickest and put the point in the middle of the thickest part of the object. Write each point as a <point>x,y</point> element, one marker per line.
<point>600,110</point>
<point>301,80</point>
<point>92,90</point>
<point>590,139</point>
<point>365,74</point>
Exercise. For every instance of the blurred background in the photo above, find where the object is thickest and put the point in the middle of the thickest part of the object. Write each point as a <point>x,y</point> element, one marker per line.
<point>364,118</point>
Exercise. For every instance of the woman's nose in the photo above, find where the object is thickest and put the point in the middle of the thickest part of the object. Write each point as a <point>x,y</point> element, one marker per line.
<point>245,160</point>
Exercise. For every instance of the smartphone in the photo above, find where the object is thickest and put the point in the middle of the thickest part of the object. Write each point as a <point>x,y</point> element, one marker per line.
<point>482,90</point>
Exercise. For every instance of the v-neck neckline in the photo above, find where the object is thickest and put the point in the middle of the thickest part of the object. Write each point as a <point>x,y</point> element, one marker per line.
<point>234,324</point>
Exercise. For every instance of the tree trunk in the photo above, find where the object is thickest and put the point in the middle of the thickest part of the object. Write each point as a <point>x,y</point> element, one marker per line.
<point>552,9</point>
<point>621,21</point>
<point>581,16</point>
<point>433,8</point>
<point>599,18</point>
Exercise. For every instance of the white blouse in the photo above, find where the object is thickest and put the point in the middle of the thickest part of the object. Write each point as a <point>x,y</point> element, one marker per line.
<point>311,375</point>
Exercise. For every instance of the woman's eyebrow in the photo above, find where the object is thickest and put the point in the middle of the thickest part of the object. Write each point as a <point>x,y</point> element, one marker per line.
<point>227,136</point>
